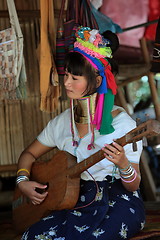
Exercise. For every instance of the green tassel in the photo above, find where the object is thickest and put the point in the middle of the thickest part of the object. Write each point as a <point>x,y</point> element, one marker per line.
<point>106,124</point>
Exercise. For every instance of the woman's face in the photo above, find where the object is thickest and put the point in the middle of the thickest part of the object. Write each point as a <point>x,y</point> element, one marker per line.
<point>75,85</point>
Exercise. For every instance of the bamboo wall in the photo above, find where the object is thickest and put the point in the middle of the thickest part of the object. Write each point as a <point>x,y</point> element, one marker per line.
<point>21,121</point>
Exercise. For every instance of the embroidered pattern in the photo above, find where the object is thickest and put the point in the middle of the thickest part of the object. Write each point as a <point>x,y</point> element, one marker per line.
<point>25,235</point>
<point>81,229</point>
<point>64,223</point>
<point>135,193</point>
<point>124,196</point>
<point>123,231</point>
<point>76,213</point>
<point>132,210</point>
<point>47,235</point>
<point>83,198</point>
<point>95,212</point>
<point>142,225</point>
<point>99,195</point>
<point>46,218</point>
<point>112,203</point>
<point>42,237</point>
<point>98,232</point>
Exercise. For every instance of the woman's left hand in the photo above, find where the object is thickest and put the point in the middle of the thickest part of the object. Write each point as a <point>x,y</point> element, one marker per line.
<point>116,154</point>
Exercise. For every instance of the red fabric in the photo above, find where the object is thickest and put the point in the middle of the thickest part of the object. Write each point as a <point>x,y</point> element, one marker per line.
<point>154,13</point>
<point>127,14</point>
<point>111,83</point>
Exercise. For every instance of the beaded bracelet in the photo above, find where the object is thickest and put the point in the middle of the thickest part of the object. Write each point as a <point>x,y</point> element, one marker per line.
<point>130,180</point>
<point>23,170</point>
<point>21,178</point>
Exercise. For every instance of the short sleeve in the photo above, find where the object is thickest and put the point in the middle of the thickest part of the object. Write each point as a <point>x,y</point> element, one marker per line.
<point>56,131</point>
<point>47,136</point>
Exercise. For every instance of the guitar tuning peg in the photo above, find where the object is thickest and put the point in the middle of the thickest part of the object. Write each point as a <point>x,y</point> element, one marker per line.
<point>145,143</point>
<point>147,116</point>
<point>134,146</point>
<point>138,121</point>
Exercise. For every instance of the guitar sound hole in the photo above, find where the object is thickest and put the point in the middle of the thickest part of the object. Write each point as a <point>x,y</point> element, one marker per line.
<point>40,190</point>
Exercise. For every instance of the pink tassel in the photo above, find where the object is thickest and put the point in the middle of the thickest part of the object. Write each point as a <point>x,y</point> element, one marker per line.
<point>90,146</point>
<point>75,143</point>
<point>99,110</point>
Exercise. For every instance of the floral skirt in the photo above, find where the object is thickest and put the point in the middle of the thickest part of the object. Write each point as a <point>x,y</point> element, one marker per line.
<point>104,211</point>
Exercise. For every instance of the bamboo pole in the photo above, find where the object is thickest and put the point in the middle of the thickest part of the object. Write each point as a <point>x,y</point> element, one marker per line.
<point>3,138</point>
<point>122,99</point>
<point>8,168</point>
<point>151,80</point>
<point>129,80</point>
<point>28,13</point>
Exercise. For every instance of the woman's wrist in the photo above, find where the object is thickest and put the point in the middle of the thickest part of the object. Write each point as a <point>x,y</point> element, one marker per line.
<point>124,164</point>
<point>130,178</point>
<point>128,174</point>
<point>21,178</point>
<point>21,171</point>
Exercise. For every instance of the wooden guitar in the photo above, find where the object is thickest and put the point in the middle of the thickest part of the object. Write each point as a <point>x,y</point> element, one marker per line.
<point>62,174</point>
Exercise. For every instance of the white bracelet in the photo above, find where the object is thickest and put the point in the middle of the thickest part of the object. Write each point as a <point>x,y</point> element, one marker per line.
<point>126,181</point>
<point>131,174</point>
<point>21,178</point>
<point>126,172</point>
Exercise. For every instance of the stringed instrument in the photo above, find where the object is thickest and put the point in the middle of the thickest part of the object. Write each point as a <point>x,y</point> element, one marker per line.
<point>62,174</point>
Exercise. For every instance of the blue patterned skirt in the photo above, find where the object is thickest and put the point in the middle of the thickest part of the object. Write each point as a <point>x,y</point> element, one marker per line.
<point>114,214</point>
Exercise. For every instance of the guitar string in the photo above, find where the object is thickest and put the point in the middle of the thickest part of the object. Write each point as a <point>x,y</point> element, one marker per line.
<point>95,195</point>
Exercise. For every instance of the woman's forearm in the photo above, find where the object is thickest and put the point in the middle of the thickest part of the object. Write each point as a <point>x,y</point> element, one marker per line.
<point>25,161</point>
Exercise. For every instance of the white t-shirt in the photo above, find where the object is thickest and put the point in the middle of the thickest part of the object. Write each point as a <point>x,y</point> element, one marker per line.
<point>57,133</point>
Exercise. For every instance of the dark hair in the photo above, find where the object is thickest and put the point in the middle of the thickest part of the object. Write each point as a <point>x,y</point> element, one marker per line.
<point>78,65</point>
<point>112,37</point>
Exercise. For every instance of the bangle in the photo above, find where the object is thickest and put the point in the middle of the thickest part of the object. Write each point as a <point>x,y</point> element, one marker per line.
<point>131,174</point>
<point>21,178</point>
<point>128,171</point>
<point>126,168</point>
<point>23,170</point>
<point>126,181</point>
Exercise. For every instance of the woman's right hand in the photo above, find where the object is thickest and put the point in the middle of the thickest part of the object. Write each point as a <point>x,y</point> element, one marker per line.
<point>28,188</point>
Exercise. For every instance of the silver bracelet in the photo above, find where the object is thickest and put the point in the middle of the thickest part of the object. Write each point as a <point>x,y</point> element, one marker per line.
<point>126,168</point>
<point>132,173</point>
<point>21,178</point>
<point>126,172</point>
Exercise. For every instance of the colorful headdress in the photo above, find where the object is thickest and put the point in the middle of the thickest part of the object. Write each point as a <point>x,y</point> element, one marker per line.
<point>96,49</point>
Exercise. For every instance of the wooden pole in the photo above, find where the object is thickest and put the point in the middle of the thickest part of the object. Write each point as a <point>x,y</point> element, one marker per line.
<point>122,99</point>
<point>8,168</point>
<point>151,80</point>
<point>28,13</point>
<point>148,183</point>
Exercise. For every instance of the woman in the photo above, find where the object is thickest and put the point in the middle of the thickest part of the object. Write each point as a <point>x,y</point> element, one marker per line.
<point>109,205</point>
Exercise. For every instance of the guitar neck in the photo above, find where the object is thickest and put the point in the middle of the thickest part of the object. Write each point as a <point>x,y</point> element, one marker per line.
<point>147,129</point>
<point>77,169</point>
